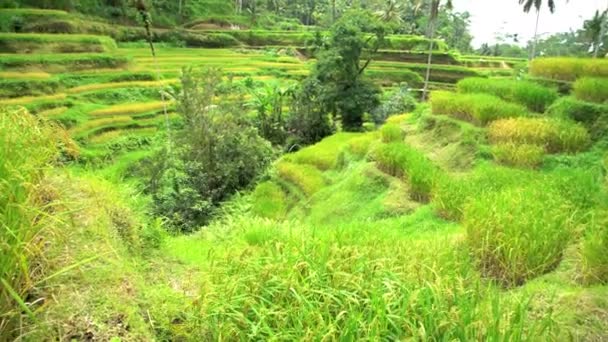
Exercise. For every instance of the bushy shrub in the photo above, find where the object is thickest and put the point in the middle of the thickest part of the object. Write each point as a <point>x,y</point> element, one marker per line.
<point>518,234</point>
<point>554,135</point>
<point>478,108</point>
<point>269,200</point>
<point>401,160</point>
<point>569,69</point>
<point>398,102</point>
<point>216,153</point>
<point>391,133</point>
<point>532,95</point>
<point>591,89</point>
<point>518,155</point>
<point>306,177</point>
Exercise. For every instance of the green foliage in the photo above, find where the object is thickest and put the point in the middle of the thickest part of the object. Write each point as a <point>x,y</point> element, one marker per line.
<point>309,121</point>
<point>595,250</point>
<point>399,159</point>
<point>27,87</point>
<point>269,201</point>
<point>391,133</point>
<point>480,109</point>
<point>519,155</point>
<point>46,43</point>
<point>534,96</point>
<point>218,153</point>
<point>306,177</point>
<point>592,115</point>
<point>554,135</point>
<point>27,150</point>
<point>518,234</point>
<point>591,89</point>
<point>63,61</point>
<point>399,101</point>
<point>325,154</point>
<point>568,69</point>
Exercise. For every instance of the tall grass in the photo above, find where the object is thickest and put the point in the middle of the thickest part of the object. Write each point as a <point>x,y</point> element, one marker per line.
<point>26,149</point>
<point>518,234</point>
<point>306,177</point>
<point>518,155</point>
<point>391,133</point>
<point>532,95</point>
<point>595,250</point>
<point>401,160</point>
<point>323,155</point>
<point>131,108</point>
<point>554,135</point>
<point>591,89</point>
<point>54,43</point>
<point>480,109</point>
<point>568,69</point>
<point>118,85</point>
<point>269,201</point>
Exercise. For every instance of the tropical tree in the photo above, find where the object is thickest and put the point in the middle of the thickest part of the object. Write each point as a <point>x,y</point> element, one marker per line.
<point>594,30</point>
<point>391,13</point>
<point>434,12</point>
<point>537,4</point>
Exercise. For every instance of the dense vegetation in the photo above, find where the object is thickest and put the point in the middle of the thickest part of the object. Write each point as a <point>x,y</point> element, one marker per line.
<point>270,170</point>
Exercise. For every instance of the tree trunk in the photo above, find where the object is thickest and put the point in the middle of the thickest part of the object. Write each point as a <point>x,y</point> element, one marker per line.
<point>533,55</point>
<point>429,60</point>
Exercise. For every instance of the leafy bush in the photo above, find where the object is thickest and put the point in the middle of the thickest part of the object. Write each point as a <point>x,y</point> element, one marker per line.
<point>399,159</point>
<point>591,89</point>
<point>306,177</point>
<point>554,135</point>
<point>398,102</point>
<point>478,108</point>
<point>519,155</point>
<point>569,69</point>
<point>269,200</point>
<point>532,95</point>
<point>217,153</point>
<point>518,234</point>
<point>391,133</point>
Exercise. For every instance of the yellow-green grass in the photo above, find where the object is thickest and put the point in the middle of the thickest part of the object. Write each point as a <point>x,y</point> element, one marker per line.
<point>31,99</point>
<point>519,155</point>
<point>29,43</point>
<point>323,155</point>
<point>306,177</point>
<point>25,75</point>
<point>269,201</point>
<point>360,146</point>
<point>91,124</point>
<point>397,119</point>
<point>480,109</point>
<point>132,108</point>
<point>591,89</point>
<point>569,68</point>
<point>114,85</point>
<point>49,113</point>
<point>113,135</point>
<point>595,250</point>
<point>554,135</point>
<point>391,133</point>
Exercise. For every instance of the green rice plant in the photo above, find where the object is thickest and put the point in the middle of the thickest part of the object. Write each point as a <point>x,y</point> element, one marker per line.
<point>361,145</point>
<point>568,69</point>
<point>269,200</point>
<point>518,234</point>
<point>60,62</point>
<point>554,135</point>
<point>594,250</point>
<point>532,95</point>
<point>479,109</point>
<point>570,108</point>
<point>54,43</point>
<point>119,85</point>
<point>519,155</point>
<point>391,133</point>
<point>27,75</point>
<point>11,88</point>
<point>323,155</point>
<point>31,99</point>
<point>27,149</point>
<point>397,119</point>
<point>109,137</point>
<point>306,177</point>
<point>401,160</point>
<point>591,89</point>
<point>132,108</point>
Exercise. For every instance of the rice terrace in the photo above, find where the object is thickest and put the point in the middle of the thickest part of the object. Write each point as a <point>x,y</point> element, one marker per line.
<point>290,170</point>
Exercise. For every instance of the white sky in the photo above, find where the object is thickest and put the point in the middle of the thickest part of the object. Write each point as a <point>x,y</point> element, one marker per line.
<point>507,16</point>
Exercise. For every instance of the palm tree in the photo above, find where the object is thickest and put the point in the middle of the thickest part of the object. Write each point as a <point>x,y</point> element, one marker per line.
<point>434,13</point>
<point>537,4</point>
<point>594,30</point>
<point>391,13</point>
